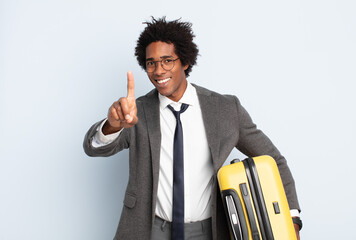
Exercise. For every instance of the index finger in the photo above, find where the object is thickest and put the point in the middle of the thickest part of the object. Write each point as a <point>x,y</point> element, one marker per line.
<point>130,85</point>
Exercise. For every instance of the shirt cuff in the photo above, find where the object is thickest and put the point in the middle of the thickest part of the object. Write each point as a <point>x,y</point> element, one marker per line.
<point>294,213</point>
<point>100,140</point>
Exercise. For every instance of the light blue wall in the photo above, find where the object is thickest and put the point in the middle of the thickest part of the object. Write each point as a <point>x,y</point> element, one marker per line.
<point>292,64</point>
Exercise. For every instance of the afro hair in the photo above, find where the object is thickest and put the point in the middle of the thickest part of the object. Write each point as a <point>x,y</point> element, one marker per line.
<point>174,32</point>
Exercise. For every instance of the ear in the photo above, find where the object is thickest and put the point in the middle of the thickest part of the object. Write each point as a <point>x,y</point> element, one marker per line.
<point>186,67</point>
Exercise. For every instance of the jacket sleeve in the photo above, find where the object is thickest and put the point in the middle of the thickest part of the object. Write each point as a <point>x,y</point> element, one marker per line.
<point>253,142</point>
<point>120,143</point>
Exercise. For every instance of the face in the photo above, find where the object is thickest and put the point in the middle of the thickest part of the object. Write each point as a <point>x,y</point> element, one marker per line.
<point>172,83</point>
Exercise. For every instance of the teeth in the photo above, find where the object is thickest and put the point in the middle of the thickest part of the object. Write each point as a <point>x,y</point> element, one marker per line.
<point>163,80</point>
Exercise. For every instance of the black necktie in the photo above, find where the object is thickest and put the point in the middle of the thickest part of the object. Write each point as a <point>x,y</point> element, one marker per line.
<point>178,178</point>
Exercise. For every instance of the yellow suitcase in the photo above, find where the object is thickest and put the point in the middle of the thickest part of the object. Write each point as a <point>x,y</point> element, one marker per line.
<point>254,200</point>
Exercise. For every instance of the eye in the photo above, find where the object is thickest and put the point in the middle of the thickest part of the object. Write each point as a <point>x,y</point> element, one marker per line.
<point>150,63</point>
<point>168,60</point>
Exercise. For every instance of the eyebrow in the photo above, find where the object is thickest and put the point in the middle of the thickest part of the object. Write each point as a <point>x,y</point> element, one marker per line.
<point>162,57</point>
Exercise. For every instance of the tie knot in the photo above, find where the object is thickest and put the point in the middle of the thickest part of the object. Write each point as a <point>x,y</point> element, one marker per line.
<point>177,113</point>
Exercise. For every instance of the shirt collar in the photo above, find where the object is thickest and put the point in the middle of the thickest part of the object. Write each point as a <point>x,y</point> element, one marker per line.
<point>189,97</point>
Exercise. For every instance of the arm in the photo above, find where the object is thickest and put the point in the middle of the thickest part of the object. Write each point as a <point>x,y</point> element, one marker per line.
<point>95,148</point>
<point>253,142</point>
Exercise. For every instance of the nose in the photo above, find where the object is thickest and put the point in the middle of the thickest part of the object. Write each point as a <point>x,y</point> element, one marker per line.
<point>159,69</point>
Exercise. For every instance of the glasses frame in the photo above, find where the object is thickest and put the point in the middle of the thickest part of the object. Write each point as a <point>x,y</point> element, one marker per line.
<point>161,61</point>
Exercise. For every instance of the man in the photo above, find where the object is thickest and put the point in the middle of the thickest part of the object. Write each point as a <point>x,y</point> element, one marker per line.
<point>205,131</point>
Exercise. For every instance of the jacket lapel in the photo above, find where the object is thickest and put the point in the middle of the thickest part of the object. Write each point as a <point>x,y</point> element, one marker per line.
<point>151,110</point>
<point>209,105</point>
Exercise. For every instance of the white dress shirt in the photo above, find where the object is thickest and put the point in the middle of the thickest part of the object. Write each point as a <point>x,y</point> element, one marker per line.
<point>198,167</point>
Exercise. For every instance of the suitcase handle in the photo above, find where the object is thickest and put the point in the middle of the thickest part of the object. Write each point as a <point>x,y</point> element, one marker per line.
<point>251,217</point>
<point>234,218</point>
<point>235,215</point>
<point>258,199</point>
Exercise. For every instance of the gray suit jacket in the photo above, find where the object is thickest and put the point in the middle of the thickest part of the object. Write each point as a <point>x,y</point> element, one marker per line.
<point>227,125</point>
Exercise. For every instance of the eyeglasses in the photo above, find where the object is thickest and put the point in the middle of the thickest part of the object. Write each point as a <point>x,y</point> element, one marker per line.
<point>167,64</point>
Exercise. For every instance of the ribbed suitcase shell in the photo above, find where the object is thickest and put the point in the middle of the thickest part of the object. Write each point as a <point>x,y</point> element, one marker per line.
<point>271,197</point>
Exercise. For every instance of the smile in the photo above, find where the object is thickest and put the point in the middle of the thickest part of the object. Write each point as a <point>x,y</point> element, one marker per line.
<point>163,80</point>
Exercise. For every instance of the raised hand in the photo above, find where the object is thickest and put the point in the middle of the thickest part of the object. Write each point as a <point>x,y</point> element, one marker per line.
<point>122,113</point>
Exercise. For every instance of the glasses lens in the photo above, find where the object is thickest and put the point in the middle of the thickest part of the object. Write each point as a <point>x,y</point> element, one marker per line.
<point>167,64</point>
<point>150,66</point>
